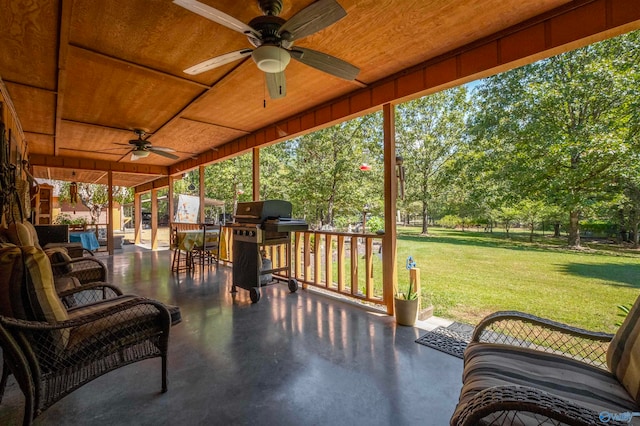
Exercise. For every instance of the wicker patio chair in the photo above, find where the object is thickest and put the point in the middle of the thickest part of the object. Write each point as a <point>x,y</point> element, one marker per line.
<point>86,269</point>
<point>52,350</point>
<point>520,369</point>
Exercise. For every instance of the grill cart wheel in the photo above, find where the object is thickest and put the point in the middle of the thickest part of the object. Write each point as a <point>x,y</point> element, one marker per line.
<point>293,285</point>
<point>254,294</point>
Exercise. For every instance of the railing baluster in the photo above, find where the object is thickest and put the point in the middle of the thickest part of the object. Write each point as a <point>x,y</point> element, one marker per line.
<point>297,246</point>
<point>340,255</point>
<point>354,265</point>
<point>307,256</point>
<point>369,267</point>
<point>317,257</point>
<point>328,260</point>
<point>281,255</point>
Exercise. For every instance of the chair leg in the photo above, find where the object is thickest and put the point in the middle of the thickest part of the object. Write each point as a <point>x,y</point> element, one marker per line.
<point>3,381</point>
<point>176,254</point>
<point>164,373</point>
<point>27,420</point>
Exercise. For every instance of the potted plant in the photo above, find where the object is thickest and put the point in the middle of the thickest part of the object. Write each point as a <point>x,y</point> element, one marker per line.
<point>406,306</point>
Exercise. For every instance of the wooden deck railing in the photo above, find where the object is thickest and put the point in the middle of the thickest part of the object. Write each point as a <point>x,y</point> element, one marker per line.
<point>344,263</point>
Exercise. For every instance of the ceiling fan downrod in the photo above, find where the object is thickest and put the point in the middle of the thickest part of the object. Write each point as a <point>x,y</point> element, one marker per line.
<point>270,7</point>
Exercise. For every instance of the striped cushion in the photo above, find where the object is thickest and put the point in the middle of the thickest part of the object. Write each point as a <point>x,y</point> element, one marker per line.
<point>11,289</point>
<point>488,365</point>
<point>32,231</point>
<point>20,235</point>
<point>623,356</point>
<point>44,300</point>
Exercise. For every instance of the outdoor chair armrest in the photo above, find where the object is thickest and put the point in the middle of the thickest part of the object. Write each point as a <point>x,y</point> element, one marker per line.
<point>517,400</point>
<point>24,325</point>
<point>526,330</point>
<point>86,269</point>
<point>88,293</point>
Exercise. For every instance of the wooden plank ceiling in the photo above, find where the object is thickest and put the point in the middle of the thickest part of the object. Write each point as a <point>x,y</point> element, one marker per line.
<point>83,74</point>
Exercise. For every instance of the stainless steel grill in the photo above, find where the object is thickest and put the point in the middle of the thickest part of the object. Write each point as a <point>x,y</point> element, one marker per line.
<point>259,224</point>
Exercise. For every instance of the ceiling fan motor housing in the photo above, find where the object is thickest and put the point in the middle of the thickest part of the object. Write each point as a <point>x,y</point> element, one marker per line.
<point>268,27</point>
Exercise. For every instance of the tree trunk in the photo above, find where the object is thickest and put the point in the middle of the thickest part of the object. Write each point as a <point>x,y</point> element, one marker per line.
<point>531,233</point>
<point>621,237</point>
<point>574,228</point>
<point>634,222</point>
<point>556,230</point>
<point>425,229</point>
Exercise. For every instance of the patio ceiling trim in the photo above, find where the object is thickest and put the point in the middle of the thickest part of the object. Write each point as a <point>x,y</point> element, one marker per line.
<point>91,164</point>
<point>575,24</point>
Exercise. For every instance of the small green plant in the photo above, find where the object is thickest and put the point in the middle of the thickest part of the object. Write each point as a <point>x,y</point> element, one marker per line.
<point>624,311</point>
<point>410,295</point>
<point>66,219</point>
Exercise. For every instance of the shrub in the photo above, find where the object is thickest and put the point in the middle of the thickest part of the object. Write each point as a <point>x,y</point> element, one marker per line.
<point>450,221</point>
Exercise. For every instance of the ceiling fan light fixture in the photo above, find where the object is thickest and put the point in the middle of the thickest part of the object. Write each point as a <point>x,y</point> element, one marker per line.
<point>141,153</point>
<point>271,59</point>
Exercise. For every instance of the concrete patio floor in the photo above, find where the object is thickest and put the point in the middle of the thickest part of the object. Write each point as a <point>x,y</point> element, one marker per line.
<point>290,359</point>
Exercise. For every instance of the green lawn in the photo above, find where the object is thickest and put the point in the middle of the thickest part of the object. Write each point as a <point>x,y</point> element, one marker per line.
<point>470,274</point>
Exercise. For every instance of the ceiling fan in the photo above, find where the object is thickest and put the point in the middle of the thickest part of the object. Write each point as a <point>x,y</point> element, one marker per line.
<point>273,39</point>
<point>142,148</point>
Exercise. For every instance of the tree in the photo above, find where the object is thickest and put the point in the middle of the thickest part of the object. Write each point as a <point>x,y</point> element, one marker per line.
<point>531,212</point>
<point>230,180</point>
<point>507,215</point>
<point>429,132</point>
<point>324,174</point>
<point>557,129</point>
<point>95,197</point>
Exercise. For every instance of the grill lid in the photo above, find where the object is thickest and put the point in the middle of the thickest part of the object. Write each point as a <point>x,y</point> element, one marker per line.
<point>259,211</point>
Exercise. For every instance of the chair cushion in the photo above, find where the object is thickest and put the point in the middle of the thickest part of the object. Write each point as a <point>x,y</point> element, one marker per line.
<point>32,231</point>
<point>59,260</point>
<point>623,356</point>
<point>43,299</point>
<point>11,289</point>
<point>20,235</point>
<point>488,365</point>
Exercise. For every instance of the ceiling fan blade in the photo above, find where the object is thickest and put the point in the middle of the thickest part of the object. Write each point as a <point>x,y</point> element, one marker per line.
<point>277,84</point>
<point>161,148</point>
<point>164,153</point>
<point>326,63</point>
<point>312,19</point>
<point>216,16</point>
<point>212,63</point>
